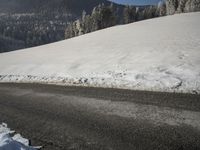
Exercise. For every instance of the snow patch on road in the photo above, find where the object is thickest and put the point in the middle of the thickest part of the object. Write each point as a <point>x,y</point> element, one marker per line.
<point>15,142</point>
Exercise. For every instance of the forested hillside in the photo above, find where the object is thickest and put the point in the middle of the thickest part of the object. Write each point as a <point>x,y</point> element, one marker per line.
<point>104,16</point>
<point>49,6</point>
<point>8,44</point>
<point>181,6</point>
<point>38,22</point>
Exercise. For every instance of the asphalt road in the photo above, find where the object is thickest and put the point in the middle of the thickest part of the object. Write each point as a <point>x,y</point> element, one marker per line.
<point>77,118</point>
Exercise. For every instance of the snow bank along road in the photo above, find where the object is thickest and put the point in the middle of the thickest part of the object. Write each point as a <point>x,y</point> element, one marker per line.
<point>74,118</point>
<point>9,140</point>
<point>161,54</point>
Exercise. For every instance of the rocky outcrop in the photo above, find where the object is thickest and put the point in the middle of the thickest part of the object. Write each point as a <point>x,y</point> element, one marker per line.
<point>180,6</point>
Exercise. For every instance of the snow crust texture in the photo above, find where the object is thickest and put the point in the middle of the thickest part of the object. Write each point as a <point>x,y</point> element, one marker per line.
<point>161,54</point>
<point>15,142</point>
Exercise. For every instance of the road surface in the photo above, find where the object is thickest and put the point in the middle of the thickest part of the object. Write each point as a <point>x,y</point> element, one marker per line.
<point>78,118</point>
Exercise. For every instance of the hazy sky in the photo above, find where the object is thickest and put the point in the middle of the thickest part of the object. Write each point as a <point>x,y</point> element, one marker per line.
<point>137,2</point>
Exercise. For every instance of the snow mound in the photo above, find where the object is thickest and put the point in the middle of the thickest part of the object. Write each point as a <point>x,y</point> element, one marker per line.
<point>17,142</point>
<point>161,54</point>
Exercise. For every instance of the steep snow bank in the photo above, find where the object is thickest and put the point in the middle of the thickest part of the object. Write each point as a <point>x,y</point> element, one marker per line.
<point>161,54</point>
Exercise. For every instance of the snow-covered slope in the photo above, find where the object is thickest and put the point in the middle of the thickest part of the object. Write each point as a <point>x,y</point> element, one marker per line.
<point>160,54</point>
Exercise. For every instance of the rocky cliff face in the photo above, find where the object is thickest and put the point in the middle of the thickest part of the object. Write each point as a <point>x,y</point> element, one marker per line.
<point>180,6</point>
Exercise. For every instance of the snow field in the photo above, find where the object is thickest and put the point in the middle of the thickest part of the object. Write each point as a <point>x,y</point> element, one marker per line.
<point>161,54</point>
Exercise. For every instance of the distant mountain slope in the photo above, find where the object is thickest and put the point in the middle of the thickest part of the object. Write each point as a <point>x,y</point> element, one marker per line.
<point>160,54</point>
<point>36,6</point>
<point>38,22</point>
<point>8,44</point>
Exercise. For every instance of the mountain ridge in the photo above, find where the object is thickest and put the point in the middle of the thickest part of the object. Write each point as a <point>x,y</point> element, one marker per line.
<point>49,6</point>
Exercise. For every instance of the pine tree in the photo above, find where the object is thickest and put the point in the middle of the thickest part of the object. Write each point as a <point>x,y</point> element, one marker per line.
<point>161,8</point>
<point>108,18</point>
<point>96,18</point>
<point>69,32</point>
<point>171,6</point>
<point>181,6</point>
<point>130,14</point>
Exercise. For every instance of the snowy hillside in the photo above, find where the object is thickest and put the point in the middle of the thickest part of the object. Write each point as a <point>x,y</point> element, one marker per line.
<point>160,54</point>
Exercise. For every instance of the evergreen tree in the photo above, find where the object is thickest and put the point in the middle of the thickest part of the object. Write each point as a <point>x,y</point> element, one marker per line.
<point>161,8</point>
<point>181,6</point>
<point>130,14</point>
<point>108,17</point>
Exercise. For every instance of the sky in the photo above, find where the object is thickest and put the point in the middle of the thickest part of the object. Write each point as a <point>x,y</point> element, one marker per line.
<point>137,2</point>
